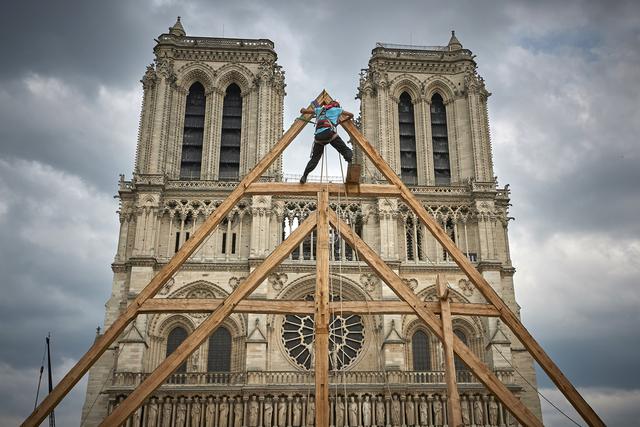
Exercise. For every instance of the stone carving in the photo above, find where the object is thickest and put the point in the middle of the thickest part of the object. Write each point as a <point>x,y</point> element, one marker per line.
<point>149,78</point>
<point>254,406</point>
<point>268,413</point>
<point>478,412</point>
<point>311,412</point>
<point>209,412</point>
<point>353,412</point>
<point>297,412</point>
<point>369,281</point>
<point>152,413</point>
<point>237,413</point>
<point>464,408</point>
<point>437,412</point>
<point>234,282</point>
<point>282,413</point>
<point>423,409</point>
<point>466,287</point>
<point>181,413</point>
<point>395,411</point>
<point>366,412</point>
<point>196,412</point>
<point>380,412</point>
<point>493,411</point>
<point>339,413</point>
<point>410,411</point>
<point>412,283</point>
<point>166,413</point>
<point>167,287</point>
<point>223,416</point>
<point>278,280</point>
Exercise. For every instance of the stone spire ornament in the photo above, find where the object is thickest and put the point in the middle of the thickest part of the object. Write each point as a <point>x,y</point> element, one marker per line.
<point>177,29</point>
<point>454,43</point>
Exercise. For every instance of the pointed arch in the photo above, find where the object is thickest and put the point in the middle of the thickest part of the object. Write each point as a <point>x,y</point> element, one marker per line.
<point>175,337</point>
<point>193,132</point>
<point>196,72</point>
<point>440,140</point>
<point>219,351</point>
<point>407,132</point>
<point>420,351</point>
<point>231,134</point>
<point>234,73</point>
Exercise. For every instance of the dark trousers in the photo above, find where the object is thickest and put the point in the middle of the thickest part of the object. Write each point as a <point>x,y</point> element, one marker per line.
<point>318,149</point>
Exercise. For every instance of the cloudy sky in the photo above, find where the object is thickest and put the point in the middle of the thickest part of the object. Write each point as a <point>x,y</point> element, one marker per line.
<point>564,115</point>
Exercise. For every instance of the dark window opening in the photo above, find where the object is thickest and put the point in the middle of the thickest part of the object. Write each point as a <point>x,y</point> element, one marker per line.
<point>440,139</point>
<point>175,338</point>
<point>224,243</point>
<point>233,243</point>
<point>229,168</point>
<point>407,129</point>
<point>177,246</point>
<point>193,133</point>
<point>459,364</point>
<point>420,351</point>
<point>449,229</point>
<point>219,354</point>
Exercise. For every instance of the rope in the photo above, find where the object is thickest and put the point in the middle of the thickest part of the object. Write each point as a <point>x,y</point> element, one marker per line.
<point>44,353</point>
<point>534,388</point>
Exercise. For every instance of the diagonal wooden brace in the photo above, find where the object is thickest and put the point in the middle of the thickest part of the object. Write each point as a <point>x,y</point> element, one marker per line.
<point>404,292</point>
<point>206,328</point>
<point>154,286</point>
<point>507,316</point>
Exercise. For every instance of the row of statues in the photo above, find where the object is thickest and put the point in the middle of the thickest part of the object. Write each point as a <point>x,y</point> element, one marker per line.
<point>411,410</point>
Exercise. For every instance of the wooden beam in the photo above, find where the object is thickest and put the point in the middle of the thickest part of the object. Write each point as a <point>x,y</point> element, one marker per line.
<point>194,305</point>
<point>402,290</point>
<point>453,401</point>
<point>208,326</point>
<point>112,332</point>
<point>312,188</point>
<point>507,316</point>
<point>322,316</point>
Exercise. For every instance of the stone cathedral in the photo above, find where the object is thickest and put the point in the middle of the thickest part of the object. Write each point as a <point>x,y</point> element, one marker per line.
<point>212,107</point>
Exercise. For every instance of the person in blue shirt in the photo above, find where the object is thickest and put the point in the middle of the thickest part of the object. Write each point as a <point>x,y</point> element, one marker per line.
<point>327,117</point>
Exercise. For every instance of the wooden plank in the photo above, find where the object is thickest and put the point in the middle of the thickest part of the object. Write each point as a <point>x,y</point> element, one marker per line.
<point>402,290</point>
<point>194,305</point>
<point>453,401</point>
<point>353,174</point>
<point>312,188</point>
<point>209,325</point>
<point>112,332</point>
<point>322,316</point>
<point>508,317</point>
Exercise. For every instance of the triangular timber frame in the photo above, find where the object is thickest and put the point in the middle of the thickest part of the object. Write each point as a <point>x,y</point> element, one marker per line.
<point>323,218</point>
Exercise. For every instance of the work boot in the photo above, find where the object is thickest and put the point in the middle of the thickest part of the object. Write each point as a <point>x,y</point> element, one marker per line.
<point>303,179</point>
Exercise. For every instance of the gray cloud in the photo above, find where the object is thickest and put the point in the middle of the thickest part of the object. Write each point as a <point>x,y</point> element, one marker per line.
<point>564,115</point>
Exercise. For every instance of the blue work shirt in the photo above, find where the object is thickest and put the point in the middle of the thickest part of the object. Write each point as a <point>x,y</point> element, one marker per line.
<point>332,114</point>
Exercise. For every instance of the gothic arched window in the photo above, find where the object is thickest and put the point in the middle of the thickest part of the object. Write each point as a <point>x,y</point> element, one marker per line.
<point>193,133</point>
<point>408,159</point>
<point>175,338</point>
<point>460,366</point>
<point>219,355</point>
<point>420,351</point>
<point>230,140</point>
<point>440,140</point>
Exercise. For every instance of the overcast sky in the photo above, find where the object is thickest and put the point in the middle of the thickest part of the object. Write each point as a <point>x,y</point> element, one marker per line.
<point>564,116</point>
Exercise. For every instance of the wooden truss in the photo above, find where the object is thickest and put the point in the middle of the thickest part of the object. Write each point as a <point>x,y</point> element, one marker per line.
<point>322,220</point>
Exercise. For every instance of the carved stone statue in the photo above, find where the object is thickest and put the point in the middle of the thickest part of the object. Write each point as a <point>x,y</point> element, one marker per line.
<point>366,412</point>
<point>464,408</point>
<point>478,413</point>
<point>311,412</point>
<point>181,413</point>
<point>137,417</point>
<point>437,412</point>
<point>395,411</point>
<point>380,410</point>
<point>297,412</point>
<point>423,409</point>
<point>254,407</point>
<point>353,412</point>
<point>196,412</point>
<point>223,417</point>
<point>237,413</point>
<point>268,412</point>
<point>166,412</point>
<point>152,413</point>
<point>339,413</point>
<point>209,412</point>
<point>282,412</point>
<point>410,411</point>
<point>493,411</point>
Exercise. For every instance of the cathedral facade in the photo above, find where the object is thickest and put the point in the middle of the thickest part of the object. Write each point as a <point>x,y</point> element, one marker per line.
<point>212,107</point>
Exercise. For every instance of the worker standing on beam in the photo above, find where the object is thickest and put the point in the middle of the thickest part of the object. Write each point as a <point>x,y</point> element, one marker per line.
<point>327,117</point>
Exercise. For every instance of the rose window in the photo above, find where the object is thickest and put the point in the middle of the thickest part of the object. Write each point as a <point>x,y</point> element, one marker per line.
<point>346,338</point>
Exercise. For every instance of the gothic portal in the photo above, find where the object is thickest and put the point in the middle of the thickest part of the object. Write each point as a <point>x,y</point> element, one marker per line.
<point>212,108</point>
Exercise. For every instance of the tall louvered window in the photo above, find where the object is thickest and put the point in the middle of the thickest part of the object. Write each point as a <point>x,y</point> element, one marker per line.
<point>175,338</point>
<point>408,160</point>
<point>219,355</point>
<point>440,140</point>
<point>420,351</point>
<point>193,133</point>
<point>230,142</point>
<point>460,366</point>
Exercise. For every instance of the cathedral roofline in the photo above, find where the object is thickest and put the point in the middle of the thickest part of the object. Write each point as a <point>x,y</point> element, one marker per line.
<point>413,52</point>
<point>171,40</point>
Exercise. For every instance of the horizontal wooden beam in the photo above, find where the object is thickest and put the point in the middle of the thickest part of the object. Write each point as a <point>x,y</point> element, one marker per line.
<point>193,305</point>
<point>311,189</point>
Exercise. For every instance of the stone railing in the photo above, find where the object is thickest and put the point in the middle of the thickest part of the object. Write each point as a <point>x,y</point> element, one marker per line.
<point>132,379</point>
